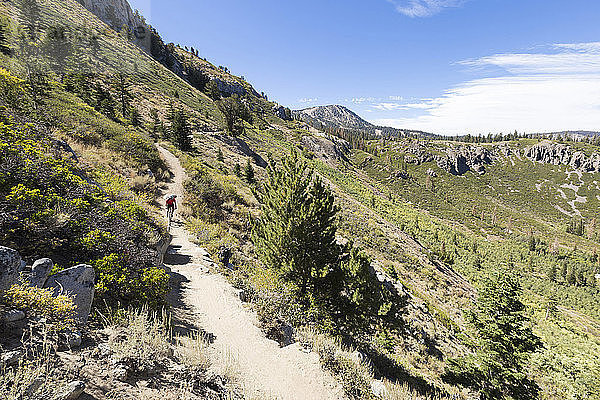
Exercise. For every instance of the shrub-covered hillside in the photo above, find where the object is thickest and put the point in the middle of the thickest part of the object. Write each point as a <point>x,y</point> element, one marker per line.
<point>409,271</point>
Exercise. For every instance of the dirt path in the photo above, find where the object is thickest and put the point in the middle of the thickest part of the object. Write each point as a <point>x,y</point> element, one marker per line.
<point>263,368</point>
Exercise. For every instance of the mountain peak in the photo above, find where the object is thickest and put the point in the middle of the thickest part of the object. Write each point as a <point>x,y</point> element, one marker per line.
<point>333,116</point>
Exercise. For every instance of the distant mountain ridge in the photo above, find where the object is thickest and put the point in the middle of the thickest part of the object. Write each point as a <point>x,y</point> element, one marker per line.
<point>339,117</point>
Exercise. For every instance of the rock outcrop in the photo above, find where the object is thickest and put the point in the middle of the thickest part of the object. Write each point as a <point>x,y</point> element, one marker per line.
<point>283,113</point>
<point>40,272</point>
<point>559,154</point>
<point>462,159</point>
<point>118,14</point>
<point>77,282</point>
<point>10,266</point>
<point>327,148</point>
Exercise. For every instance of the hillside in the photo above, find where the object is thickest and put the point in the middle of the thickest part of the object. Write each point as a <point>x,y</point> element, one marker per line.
<point>400,234</point>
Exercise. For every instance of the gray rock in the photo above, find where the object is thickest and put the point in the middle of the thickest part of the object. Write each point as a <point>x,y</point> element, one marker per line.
<point>72,391</point>
<point>287,336</point>
<point>327,147</point>
<point>10,266</point>
<point>120,373</point>
<point>378,388</point>
<point>73,339</point>
<point>463,159</point>
<point>14,316</point>
<point>10,358</point>
<point>241,294</point>
<point>77,282</point>
<point>549,152</point>
<point>34,387</point>
<point>40,272</point>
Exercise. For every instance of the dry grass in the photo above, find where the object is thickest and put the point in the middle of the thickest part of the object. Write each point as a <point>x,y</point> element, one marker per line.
<point>192,351</point>
<point>140,338</point>
<point>35,376</point>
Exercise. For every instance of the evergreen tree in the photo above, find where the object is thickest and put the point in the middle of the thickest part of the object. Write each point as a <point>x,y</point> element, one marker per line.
<point>134,117</point>
<point>4,48</point>
<point>498,370</point>
<point>212,90</point>
<point>122,84</point>
<point>58,46</point>
<point>363,304</point>
<point>235,113</point>
<point>179,128</point>
<point>156,127</point>
<point>249,172</point>
<point>103,101</point>
<point>296,232</point>
<point>220,157</point>
<point>237,170</point>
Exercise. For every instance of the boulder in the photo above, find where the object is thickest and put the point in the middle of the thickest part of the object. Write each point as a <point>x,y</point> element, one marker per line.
<point>287,336</point>
<point>72,391</point>
<point>40,272</point>
<point>77,282</point>
<point>10,266</point>
<point>14,316</point>
<point>10,358</point>
<point>378,388</point>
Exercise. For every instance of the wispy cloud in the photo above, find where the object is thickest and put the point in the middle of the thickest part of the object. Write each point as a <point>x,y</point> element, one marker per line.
<point>308,100</point>
<point>403,106</point>
<point>535,92</point>
<point>424,8</point>
<point>361,100</point>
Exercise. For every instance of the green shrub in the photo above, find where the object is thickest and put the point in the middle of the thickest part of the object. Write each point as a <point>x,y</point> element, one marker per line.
<point>59,311</point>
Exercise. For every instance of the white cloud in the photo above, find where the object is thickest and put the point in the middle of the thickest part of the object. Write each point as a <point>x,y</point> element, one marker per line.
<point>423,8</point>
<point>308,100</point>
<point>360,100</point>
<point>535,93</point>
<point>399,106</point>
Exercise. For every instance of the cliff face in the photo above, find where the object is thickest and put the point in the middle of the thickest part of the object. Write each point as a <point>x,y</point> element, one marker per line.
<point>118,14</point>
<point>560,154</point>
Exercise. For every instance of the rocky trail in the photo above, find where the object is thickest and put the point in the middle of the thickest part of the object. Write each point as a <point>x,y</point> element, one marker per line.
<point>206,301</point>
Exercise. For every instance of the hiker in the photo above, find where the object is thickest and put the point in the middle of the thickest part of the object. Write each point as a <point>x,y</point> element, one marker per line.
<point>171,204</point>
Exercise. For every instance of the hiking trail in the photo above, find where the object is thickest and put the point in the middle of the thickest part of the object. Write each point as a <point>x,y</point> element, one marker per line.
<point>209,302</point>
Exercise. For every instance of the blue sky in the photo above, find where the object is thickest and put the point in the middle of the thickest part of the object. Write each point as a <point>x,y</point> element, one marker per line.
<point>446,66</point>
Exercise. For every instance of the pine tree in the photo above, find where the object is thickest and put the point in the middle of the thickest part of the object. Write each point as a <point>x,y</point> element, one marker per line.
<point>235,113</point>
<point>237,170</point>
<point>212,90</point>
<point>296,232</point>
<point>179,128</point>
<point>4,49</point>
<point>156,127</point>
<point>249,172</point>
<point>103,101</point>
<point>220,157</point>
<point>498,370</point>
<point>122,84</point>
<point>135,117</point>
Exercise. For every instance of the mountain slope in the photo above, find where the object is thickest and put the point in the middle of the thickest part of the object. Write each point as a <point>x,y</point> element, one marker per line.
<point>336,117</point>
<point>435,217</point>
